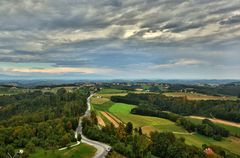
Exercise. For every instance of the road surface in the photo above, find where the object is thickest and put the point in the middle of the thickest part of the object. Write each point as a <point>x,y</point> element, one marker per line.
<point>102,149</point>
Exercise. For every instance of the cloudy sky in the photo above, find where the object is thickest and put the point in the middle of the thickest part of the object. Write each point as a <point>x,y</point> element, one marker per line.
<point>120,39</point>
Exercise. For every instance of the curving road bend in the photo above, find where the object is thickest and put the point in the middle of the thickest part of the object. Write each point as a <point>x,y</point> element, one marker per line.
<point>102,149</point>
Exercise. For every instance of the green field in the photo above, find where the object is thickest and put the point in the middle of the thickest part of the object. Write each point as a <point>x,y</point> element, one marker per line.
<point>122,111</point>
<point>110,90</point>
<point>231,143</point>
<point>82,150</point>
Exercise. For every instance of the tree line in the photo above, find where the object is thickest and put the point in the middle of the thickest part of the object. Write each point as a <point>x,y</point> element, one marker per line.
<point>223,109</point>
<point>207,127</point>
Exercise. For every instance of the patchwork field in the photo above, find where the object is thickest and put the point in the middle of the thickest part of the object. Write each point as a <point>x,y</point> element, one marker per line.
<point>148,124</point>
<point>198,96</point>
<point>152,123</point>
<point>82,150</point>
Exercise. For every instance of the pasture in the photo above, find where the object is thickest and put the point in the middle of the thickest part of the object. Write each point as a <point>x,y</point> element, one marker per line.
<point>82,150</point>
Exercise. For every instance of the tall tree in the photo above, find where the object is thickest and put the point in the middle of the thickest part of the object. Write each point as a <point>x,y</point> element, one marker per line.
<point>129,128</point>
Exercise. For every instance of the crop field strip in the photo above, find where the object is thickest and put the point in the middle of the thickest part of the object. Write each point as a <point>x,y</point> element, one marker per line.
<point>148,124</point>
<point>111,118</point>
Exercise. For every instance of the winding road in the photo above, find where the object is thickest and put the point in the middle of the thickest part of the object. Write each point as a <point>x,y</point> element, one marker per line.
<point>102,149</point>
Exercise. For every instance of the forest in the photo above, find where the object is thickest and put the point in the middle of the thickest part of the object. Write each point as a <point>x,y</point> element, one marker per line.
<point>36,119</point>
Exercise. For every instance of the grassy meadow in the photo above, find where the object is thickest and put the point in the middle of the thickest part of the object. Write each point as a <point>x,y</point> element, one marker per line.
<point>111,91</point>
<point>148,123</point>
<point>82,150</point>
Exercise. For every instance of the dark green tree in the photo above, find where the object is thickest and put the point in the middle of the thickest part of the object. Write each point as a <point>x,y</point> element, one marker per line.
<point>129,128</point>
<point>30,147</point>
<point>79,137</point>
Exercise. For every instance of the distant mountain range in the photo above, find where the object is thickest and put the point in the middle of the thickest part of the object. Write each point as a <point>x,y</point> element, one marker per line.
<point>33,83</point>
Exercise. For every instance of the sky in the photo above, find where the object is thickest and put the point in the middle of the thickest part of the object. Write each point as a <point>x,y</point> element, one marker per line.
<point>120,39</point>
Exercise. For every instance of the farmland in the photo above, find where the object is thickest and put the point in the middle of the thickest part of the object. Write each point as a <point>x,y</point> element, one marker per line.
<point>198,96</point>
<point>148,123</point>
<point>110,91</point>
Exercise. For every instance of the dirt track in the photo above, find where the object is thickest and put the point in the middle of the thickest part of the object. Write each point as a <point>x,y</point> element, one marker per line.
<point>111,118</point>
<point>100,121</point>
<point>218,121</point>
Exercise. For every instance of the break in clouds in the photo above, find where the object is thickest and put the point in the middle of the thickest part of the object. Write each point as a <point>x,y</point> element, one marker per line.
<point>114,38</point>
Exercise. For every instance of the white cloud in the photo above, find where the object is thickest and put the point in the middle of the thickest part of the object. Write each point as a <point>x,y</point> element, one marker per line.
<point>180,62</point>
<point>60,70</point>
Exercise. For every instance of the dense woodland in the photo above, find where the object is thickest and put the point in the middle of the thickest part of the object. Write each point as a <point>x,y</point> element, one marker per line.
<point>38,119</point>
<point>227,110</point>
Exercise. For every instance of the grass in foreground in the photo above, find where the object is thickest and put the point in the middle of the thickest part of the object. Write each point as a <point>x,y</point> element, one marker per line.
<point>82,150</point>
